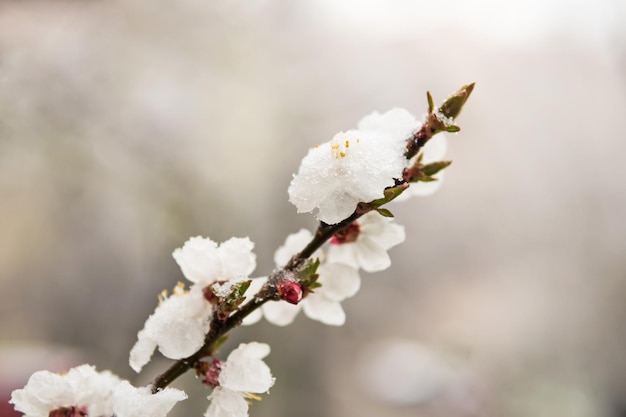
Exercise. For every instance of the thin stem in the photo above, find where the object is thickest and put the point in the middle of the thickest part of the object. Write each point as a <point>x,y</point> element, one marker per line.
<point>429,128</point>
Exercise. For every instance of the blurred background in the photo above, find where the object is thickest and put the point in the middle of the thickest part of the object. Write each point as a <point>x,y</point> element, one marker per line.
<point>128,126</point>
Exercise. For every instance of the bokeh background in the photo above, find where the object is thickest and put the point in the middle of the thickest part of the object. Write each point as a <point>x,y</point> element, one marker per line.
<point>128,126</point>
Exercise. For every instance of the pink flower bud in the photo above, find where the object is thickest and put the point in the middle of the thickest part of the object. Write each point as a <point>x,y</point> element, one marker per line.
<point>289,291</point>
<point>210,372</point>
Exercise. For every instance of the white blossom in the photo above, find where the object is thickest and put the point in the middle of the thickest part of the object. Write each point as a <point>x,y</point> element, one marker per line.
<point>177,327</point>
<point>129,401</point>
<point>203,261</point>
<point>355,166</point>
<point>81,387</point>
<point>374,235</point>
<point>243,372</point>
<point>95,393</point>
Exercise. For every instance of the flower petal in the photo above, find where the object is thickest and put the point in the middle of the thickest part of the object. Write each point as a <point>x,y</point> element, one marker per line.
<point>319,308</point>
<point>343,254</point>
<point>246,375</point>
<point>338,281</point>
<point>435,149</point>
<point>129,401</point>
<point>294,243</point>
<point>280,313</point>
<point>226,403</point>
<point>371,256</point>
<point>142,351</point>
<point>252,350</point>
<point>237,259</point>
<point>198,259</point>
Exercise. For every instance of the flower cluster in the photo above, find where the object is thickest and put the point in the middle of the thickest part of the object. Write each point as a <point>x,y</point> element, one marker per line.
<point>346,182</point>
<point>83,391</point>
<point>180,322</point>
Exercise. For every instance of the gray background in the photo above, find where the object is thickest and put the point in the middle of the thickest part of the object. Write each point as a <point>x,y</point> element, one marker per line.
<point>128,126</point>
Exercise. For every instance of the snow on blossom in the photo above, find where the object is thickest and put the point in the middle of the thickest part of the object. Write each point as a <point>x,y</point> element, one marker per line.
<point>367,248</point>
<point>177,327</point>
<point>243,372</point>
<point>398,123</point>
<point>355,166</point>
<point>84,391</point>
<point>81,388</point>
<point>129,401</point>
<point>203,261</point>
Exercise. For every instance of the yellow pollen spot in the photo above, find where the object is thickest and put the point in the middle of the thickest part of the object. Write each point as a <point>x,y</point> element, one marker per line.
<point>179,289</point>
<point>252,396</point>
<point>342,154</point>
<point>347,144</point>
<point>317,146</point>
<point>162,296</point>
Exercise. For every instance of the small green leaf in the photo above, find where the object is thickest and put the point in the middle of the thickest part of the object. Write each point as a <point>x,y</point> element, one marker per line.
<point>234,298</point>
<point>431,104</point>
<point>452,107</point>
<point>434,167</point>
<point>452,129</point>
<point>393,192</point>
<point>389,194</point>
<point>313,286</point>
<point>239,290</point>
<point>308,274</point>
<point>218,343</point>
<point>384,212</point>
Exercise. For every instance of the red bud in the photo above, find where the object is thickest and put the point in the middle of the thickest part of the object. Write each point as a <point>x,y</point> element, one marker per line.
<point>289,291</point>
